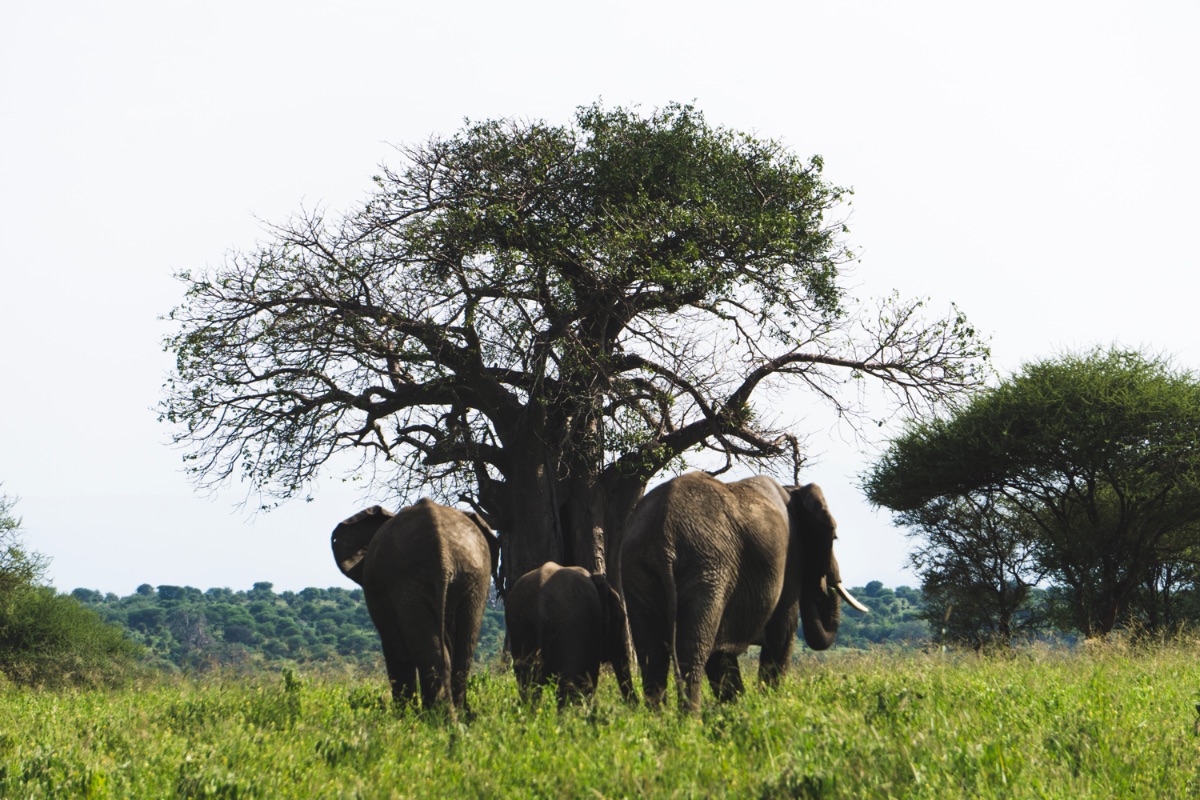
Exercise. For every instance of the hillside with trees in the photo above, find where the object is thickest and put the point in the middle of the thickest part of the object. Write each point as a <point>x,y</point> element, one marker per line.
<point>184,628</point>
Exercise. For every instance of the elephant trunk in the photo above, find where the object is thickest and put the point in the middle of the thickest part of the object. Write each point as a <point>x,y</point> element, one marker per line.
<point>820,613</point>
<point>821,604</point>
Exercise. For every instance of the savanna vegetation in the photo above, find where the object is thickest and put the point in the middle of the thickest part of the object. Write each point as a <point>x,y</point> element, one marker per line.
<point>1114,720</point>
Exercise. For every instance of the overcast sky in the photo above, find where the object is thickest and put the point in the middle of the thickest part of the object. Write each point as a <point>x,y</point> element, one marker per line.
<point>1035,163</point>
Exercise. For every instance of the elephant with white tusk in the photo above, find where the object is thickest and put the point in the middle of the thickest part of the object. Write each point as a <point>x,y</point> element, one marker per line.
<point>709,568</point>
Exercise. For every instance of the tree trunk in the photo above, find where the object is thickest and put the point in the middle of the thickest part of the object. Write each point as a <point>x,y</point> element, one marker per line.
<point>621,494</point>
<point>569,511</point>
<point>594,519</point>
<point>534,535</point>
<point>583,523</point>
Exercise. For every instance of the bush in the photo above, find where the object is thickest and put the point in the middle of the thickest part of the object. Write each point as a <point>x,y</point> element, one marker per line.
<point>48,639</point>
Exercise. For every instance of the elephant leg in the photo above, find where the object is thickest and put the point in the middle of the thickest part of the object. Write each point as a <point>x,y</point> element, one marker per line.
<point>433,672</point>
<point>561,659</point>
<point>524,669</point>
<point>696,633</point>
<point>575,685</point>
<point>649,630</point>
<point>567,691</point>
<point>725,676</point>
<point>463,636</point>
<point>585,683</point>
<point>428,651</point>
<point>402,675</point>
<point>564,689</point>
<point>779,639</point>
<point>654,662</point>
<point>401,670</point>
<point>591,679</point>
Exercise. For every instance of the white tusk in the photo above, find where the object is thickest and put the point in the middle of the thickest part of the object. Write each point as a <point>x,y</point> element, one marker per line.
<point>849,598</point>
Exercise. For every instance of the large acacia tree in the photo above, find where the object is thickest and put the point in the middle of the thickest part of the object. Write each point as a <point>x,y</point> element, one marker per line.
<point>1097,454</point>
<point>536,319</point>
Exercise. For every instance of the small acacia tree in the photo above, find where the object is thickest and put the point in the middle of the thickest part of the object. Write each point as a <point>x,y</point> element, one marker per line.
<point>978,567</point>
<point>1100,454</point>
<point>536,319</point>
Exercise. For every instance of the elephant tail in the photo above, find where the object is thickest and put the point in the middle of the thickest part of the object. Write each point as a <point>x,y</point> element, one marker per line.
<point>671,593</point>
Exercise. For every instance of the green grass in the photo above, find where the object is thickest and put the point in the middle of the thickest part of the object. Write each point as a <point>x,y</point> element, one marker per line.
<point>1114,721</point>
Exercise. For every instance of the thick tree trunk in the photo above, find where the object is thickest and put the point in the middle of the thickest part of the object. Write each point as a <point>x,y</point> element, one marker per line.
<point>621,494</point>
<point>572,512</point>
<point>534,535</point>
<point>583,523</point>
<point>594,520</point>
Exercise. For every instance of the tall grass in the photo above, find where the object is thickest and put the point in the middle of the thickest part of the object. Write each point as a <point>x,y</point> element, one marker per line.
<point>1113,721</point>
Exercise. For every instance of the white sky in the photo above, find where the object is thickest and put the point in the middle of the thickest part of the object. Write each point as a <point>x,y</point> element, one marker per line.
<point>1036,163</point>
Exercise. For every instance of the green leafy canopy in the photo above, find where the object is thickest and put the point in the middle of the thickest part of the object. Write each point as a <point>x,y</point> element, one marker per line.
<point>603,297</point>
<point>1098,454</point>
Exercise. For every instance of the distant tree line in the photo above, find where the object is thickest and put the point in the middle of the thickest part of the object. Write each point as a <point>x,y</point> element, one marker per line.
<point>897,619</point>
<point>182,627</point>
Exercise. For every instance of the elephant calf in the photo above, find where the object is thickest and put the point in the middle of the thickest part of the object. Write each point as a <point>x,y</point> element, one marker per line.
<point>425,574</point>
<point>563,623</point>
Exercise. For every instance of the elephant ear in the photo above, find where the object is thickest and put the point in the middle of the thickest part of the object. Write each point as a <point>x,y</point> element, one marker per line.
<point>351,537</point>
<point>812,500</point>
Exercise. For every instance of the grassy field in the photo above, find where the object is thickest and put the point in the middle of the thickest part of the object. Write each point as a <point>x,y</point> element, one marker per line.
<point>1112,722</point>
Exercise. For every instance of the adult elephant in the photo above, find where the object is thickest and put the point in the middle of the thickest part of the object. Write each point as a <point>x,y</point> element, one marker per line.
<point>563,623</point>
<point>709,568</point>
<point>424,573</point>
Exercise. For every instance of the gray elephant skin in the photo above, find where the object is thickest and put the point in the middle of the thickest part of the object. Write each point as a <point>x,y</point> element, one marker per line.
<point>425,573</point>
<point>709,568</point>
<point>563,623</point>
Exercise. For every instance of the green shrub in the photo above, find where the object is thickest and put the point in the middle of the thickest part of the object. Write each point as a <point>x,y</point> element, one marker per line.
<point>49,639</point>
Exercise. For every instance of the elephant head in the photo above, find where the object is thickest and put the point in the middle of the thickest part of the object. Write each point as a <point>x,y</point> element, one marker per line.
<point>821,590</point>
<point>351,537</point>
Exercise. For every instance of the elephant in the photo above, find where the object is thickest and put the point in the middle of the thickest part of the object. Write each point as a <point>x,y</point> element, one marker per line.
<point>709,568</point>
<point>425,573</point>
<point>563,623</point>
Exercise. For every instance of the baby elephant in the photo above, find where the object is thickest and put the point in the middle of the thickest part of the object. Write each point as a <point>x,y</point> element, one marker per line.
<point>563,622</point>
